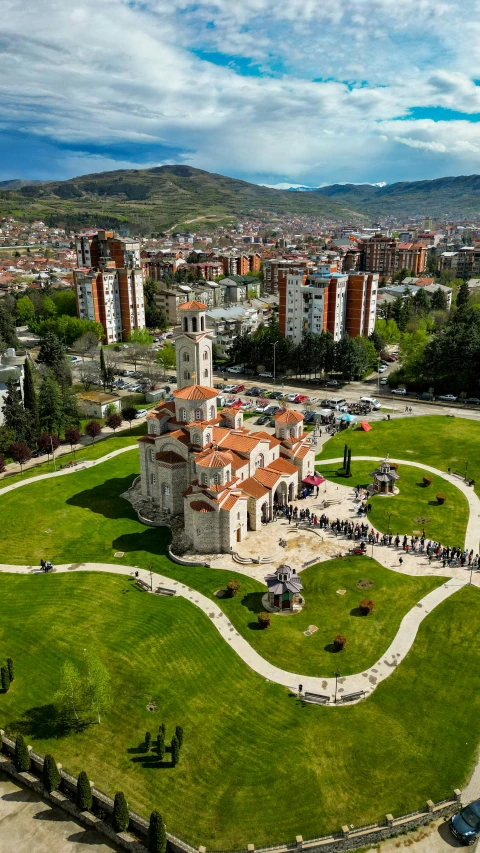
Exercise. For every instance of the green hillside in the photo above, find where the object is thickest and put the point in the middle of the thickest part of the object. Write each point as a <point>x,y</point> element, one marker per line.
<point>152,200</point>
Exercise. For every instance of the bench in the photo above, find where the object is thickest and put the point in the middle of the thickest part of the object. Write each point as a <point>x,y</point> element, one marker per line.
<point>350,697</point>
<point>163,590</point>
<point>142,584</point>
<point>316,698</point>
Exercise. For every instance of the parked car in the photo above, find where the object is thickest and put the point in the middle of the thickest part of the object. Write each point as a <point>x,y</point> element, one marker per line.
<point>301,398</point>
<point>266,375</point>
<point>292,398</point>
<point>275,395</point>
<point>391,358</point>
<point>262,420</point>
<point>399,391</point>
<point>237,368</point>
<point>382,368</point>
<point>332,383</point>
<point>465,824</point>
<point>309,418</point>
<point>219,386</point>
<point>473,401</point>
<point>141,413</point>
<point>261,410</point>
<point>238,388</point>
<point>425,395</point>
<point>229,388</point>
<point>271,410</point>
<point>448,398</point>
<point>383,380</point>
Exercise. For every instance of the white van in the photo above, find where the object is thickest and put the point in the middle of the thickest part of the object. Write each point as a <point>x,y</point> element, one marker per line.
<point>372,401</point>
<point>335,402</point>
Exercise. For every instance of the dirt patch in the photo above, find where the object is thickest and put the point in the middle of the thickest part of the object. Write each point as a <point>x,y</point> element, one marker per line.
<point>364,584</point>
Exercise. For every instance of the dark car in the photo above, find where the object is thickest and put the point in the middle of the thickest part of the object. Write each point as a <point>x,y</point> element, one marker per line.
<point>309,418</point>
<point>263,419</point>
<point>465,824</point>
<point>473,401</point>
<point>332,383</point>
<point>254,392</point>
<point>425,396</point>
<point>275,395</point>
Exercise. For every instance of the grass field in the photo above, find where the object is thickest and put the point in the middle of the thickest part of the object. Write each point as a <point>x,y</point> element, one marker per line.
<point>448,521</point>
<point>435,440</point>
<point>248,744</point>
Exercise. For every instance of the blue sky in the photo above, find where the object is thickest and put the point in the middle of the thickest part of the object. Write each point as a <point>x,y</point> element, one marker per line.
<point>272,91</point>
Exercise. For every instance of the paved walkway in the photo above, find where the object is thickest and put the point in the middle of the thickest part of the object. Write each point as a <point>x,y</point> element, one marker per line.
<point>365,681</point>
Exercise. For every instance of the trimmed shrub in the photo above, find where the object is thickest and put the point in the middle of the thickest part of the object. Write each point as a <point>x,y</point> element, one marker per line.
<point>157,835</point>
<point>441,498</point>
<point>161,729</point>
<point>264,619</point>
<point>5,678</point>
<point>120,817</point>
<point>51,775</point>
<point>339,642</point>
<point>179,735</point>
<point>233,587</point>
<point>11,669</point>
<point>148,740</point>
<point>366,606</point>
<point>22,755</point>
<point>160,745</point>
<point>427,481</point>
<point>84,797</point>
<point>175,747</point>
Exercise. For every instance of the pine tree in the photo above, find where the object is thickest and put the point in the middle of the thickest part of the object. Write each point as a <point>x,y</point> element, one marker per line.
<point>161,729</point>
<point>349,464</point>
<point>179,735</point>
<point>11,669</point>
<point>120,818</point>
<point>51,353</point>
<point>103,368</point>
<point>175,749</point>
<point>157,835</point>
<point>22,755</point>
<point>30,401</point>
<point>5,678</point>
<point>51,774</point>
<point>160,745</point>
<point>14,415</point>
<point>345,452</point>
<point>84,797</point>
<point>50,405</point>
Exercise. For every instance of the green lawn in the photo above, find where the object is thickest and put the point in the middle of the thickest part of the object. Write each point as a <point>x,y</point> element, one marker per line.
<point>436,440</point>
<point>248,744</point>
<point>448,522</point>
<point>285,644</point>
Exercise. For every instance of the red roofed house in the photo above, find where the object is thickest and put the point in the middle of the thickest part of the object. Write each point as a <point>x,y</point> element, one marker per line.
<point>203,464</point>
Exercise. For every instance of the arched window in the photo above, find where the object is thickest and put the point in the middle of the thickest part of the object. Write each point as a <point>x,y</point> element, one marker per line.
<point>216,478</point>
<point>183,414</point>
<point>208,438</point>
<point>204,479</point>
<point>282,433</point>
<point>186,356</point>
<point>185,324</point>
<point>152,454</point>
<point>205,355</point>
<point>198,414</point>
<point>212,411</point>
<point>151,427</point>
<point>202,323</point>
<point>260,461</point>
<point>205,373</point>
<point>194,324</point>
<point>197,438</point>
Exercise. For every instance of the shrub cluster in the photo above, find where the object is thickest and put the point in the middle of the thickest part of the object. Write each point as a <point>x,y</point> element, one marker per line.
<point>366,606</point>
<point>233,587</point>
<point>264,619</point>
<point>340,642</point>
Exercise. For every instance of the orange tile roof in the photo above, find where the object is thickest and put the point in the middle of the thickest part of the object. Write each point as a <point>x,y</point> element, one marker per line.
<point>230,502</point>
<point>201,506</point>
<point>240,443</point>
<point>213,459</point>
<point>192,306</point>
<point>274,442</point>
<point>237,461</point>
<point>219,432</point>
<point>283,466</point>
<point>288,417</point>
<point>267,477</point>
<point>253,488</point>
<point>302,452</point>
<point>147,439</point>
<point>169,457</point>
<point>195,392</point>
<point>180,435</point>
<point>169,405</point>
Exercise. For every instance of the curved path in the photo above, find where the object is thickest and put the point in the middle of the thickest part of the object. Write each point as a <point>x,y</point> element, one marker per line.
<point>365,681</point>
<point>472,535</point>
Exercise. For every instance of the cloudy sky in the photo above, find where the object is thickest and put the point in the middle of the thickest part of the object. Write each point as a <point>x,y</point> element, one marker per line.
<point>273,91</point>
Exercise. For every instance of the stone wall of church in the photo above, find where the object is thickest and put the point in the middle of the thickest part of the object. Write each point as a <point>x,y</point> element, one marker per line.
<point>202,528</point>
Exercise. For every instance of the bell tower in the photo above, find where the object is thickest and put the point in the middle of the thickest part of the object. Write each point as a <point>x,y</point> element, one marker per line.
<point>193,347</point>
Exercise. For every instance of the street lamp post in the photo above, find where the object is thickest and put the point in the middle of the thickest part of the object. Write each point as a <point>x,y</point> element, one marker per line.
<point>378,376</point>
<point>389,517</point>
<point>53,454</point>
<point>336,673</point>
<point>274,354</point>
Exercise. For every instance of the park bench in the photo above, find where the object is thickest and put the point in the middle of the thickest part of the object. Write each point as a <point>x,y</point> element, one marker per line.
<point>163,590</point>
<point>317,698</point>
<point>350,697</point>
<point>142,584</point>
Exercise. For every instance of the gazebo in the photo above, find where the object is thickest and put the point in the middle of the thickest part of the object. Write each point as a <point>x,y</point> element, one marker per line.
<point>384,479</point>
<point>283,590</point>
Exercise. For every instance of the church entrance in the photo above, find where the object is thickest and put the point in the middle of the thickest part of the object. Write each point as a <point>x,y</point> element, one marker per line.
<point>239,534</point>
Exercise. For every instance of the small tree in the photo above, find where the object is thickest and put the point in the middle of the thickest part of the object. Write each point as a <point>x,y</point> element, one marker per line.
<point>264,619</point>
<point>20,453</point>
<point>441,498</point>
<point>160,745</point>
<point>179,734</point>
<point>129,413</point>
<point>2,463</point>
<point>22,755</point>
<point>161,729</point>
<point>348,472</point>
<point>427,481</point>
<point>98,690</point>
<point>148,740</point>
<point>366,606</point>
<point>157,836</point>
<point>93,429</point>
<point>233,587</point>
<point>72,435</point>
<point>51,774</point>
<point>339,642</point>
<point>120,818</point>
<point>49,443</point>
<point>345,452</point>
<point>114,421</point>
<point>11,669</point>
<point>175,749</point>
<point>84,797</point>
<point>5,678</point>
<point>69,693</point>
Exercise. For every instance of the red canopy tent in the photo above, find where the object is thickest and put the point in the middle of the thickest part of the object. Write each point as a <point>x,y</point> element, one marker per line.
<point>365,426</point>
<point>313,480</point>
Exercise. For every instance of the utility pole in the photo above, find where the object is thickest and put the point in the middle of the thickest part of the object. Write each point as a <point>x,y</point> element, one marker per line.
<point>274,353</point>
<point>336,673</point>
<point>53,454</point>
<point>378,376</point>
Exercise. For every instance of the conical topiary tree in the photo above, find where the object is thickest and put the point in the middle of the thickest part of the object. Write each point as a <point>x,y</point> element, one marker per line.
<point>161,729</point>
<point>345,451</point>
<point>84,796</point>
<point>51,774</point>
<point>179,734</point>
<point>5,678</point>
<point>120,818</point>
<point>160,745</point>
<point>349,464</point>
<point>157,835</point>
<point>22,755</point>
<point>11,669</point>
<point>175,749</point>
<point>148,740</point>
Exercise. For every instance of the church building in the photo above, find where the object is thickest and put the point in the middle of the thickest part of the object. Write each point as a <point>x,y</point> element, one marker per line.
<point>202,463</point>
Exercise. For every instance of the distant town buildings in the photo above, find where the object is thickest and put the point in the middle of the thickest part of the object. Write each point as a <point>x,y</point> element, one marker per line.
<point>109,283</point>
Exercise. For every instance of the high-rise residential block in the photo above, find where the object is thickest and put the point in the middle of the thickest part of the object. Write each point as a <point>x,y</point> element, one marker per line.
<point>109,283</point>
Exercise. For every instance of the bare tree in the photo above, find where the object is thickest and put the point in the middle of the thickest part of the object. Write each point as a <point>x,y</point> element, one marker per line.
<point>88,372</point>
<point>87,344</point>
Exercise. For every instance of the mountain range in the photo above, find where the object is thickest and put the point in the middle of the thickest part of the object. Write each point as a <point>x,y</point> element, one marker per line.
<point>179,197</point>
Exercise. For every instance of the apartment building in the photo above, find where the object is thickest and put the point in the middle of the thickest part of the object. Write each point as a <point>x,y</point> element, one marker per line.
<point>385,255</point>
<point>276,270</point>
<point>320,301</point>
<point>109,283</point>
<point>240,264</point>
<point>466,262</point>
